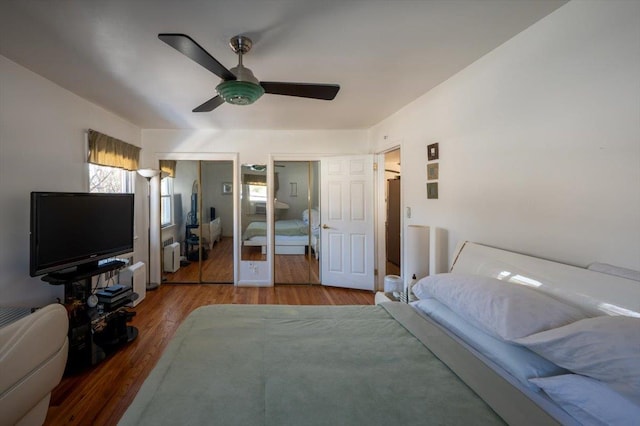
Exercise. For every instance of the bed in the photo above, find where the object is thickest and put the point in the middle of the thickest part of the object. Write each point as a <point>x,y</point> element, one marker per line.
<point>291,235</point>
<point>398,363</point>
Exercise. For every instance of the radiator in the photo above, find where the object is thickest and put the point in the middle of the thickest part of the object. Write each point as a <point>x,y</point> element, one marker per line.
<point>136,277</point>
<point>172,257</point>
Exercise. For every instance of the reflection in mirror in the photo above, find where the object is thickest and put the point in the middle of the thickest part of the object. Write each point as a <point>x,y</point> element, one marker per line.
<point>197,214</point>
<point>253,208</point>
<point>180,206</point>
<point>297,222</point>
<point>216,217</point>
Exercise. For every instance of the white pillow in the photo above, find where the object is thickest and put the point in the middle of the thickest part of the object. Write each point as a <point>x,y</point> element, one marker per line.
<point>606,348</point>
<point>520,362</point>
<point>311,215</point>
<point>589,401</point>
<point>505,310</point>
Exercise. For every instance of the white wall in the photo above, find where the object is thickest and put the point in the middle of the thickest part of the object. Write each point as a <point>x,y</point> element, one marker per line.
<point>539,141</point>
<point>254,146</point>
<point>42,148</point>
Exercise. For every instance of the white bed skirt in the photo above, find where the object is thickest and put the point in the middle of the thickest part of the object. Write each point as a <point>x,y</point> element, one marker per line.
<point>286,244</point>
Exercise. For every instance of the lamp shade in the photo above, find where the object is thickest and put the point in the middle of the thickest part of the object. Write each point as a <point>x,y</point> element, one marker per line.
<point>148,173</point>
<point>416,252</point>
<point>393,284</point>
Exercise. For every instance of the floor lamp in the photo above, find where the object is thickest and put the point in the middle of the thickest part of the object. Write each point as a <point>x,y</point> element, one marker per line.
<point>148,174</point>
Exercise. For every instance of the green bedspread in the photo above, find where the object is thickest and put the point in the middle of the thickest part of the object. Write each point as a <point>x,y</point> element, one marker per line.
<point>301,365</point>
<point>288,227</point>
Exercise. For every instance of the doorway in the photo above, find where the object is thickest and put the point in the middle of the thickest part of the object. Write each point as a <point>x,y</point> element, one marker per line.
<point>393,221</point>
<point>198,244</point>
<point>296,207</point>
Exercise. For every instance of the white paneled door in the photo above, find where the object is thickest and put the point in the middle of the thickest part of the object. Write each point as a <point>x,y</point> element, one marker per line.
<point>347,222</point>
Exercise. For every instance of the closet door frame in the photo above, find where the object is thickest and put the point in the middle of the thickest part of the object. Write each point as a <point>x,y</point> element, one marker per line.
<point>214,156</point>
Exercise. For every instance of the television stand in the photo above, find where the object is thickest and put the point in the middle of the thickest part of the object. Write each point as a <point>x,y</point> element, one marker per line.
<point>77,274</point>
<point>94,333</point>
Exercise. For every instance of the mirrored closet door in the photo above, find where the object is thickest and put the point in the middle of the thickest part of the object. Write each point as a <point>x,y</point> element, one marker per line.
<point>253,207</point>
<point>296,222</point>
<point>197,231</point>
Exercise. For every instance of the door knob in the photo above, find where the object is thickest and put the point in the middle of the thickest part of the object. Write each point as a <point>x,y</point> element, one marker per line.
<point>324,226</point>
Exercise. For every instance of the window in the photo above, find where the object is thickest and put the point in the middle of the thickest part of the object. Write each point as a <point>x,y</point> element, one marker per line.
<point>258,193</point>
<point>166,198</point>
<point>109,179</point>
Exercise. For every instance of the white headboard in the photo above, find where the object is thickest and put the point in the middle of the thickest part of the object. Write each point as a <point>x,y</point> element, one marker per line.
<point>595,292</point>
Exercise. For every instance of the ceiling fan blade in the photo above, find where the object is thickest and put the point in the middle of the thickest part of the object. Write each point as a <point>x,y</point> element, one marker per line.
<point>188,47</point>
<point>302,90</point>
<point>210,105</point>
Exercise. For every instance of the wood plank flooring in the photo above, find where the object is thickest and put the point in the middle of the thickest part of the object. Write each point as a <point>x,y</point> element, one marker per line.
<point>101,394</point>
<point>218,267</point>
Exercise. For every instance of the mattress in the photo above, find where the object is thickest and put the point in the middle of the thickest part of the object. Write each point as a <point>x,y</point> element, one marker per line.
<point>284,240</point>
<point>289,227</point>
<point>291,236</point>
<point>316,365</point>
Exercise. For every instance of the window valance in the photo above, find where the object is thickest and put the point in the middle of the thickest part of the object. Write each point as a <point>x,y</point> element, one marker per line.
<point>168,167</point>
<point>251,179</point>
<point>108,151</point>
<point>261,180</point>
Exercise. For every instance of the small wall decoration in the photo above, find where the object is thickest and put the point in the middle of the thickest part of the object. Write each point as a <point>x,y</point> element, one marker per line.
<point>227,188</point>
<point>432,171</point>
<point>432,152</point>
<point>432,190</point>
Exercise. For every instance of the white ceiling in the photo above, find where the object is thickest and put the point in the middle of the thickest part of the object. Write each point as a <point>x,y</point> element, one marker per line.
<point>383,54</point>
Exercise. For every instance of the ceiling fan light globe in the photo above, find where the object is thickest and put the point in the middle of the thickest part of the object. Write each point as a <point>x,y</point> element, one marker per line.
<point>239,92</point>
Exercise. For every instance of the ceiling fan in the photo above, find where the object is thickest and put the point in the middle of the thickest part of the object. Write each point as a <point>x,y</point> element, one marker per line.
<point>239,86</point>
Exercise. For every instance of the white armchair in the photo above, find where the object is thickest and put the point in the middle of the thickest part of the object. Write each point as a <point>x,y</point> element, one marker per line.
<point>33,354</point>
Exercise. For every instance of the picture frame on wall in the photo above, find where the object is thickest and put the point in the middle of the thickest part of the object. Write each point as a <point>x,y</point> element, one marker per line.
<point>432,171</point>
<point>432,152</point>
<point>227,188</point>
<point>432,191</point>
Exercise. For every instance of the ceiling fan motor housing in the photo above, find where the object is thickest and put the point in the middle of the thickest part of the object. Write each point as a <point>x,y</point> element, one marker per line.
<point>246,88</point>
<point>239,92</point>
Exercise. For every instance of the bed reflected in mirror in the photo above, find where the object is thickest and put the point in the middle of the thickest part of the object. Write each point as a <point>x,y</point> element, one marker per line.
<point>296,222</point>
<point>253,208</point>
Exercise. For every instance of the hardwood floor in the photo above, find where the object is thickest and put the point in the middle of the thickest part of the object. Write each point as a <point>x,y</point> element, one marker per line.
<point>218,267</point>
<point>296,269</point>
<point>101,394</point>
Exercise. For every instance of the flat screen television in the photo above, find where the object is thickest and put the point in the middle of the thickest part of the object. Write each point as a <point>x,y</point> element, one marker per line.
<point>77,230</point>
